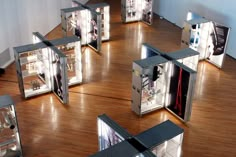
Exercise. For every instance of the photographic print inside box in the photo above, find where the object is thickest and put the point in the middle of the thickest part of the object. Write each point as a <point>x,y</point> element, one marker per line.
<point>91,23</point>
<point>149,81</point>
<point>33,69</point>
<point>207,37</point>
<point>94,30</point>
<point>109,132</point>
<point>137,10</point>
<point>104,10</point>
<point>74,22</point>
<point>83,23</point>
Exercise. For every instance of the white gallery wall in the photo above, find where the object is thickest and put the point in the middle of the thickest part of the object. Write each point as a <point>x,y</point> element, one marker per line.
<point>222,12</point>
<point>19,18</point>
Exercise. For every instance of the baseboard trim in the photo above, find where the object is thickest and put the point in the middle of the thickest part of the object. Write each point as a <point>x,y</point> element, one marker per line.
<point>230,56</point>
<point>7,64</point>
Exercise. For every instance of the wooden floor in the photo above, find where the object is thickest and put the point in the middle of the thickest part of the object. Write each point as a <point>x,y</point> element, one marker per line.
<point>50,129</point>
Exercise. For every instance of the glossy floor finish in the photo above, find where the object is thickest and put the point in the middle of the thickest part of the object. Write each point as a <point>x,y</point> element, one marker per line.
<point>50,129</point>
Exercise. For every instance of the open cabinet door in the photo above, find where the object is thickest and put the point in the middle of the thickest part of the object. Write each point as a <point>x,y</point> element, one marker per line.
<point>71,47</point>
<point>187,56</point>
<point>217,42</point>
<point>59,75</point>
<point>147,14</point>
<point>94,38</point>
<point>109,132</point>
<point>181,89</point>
